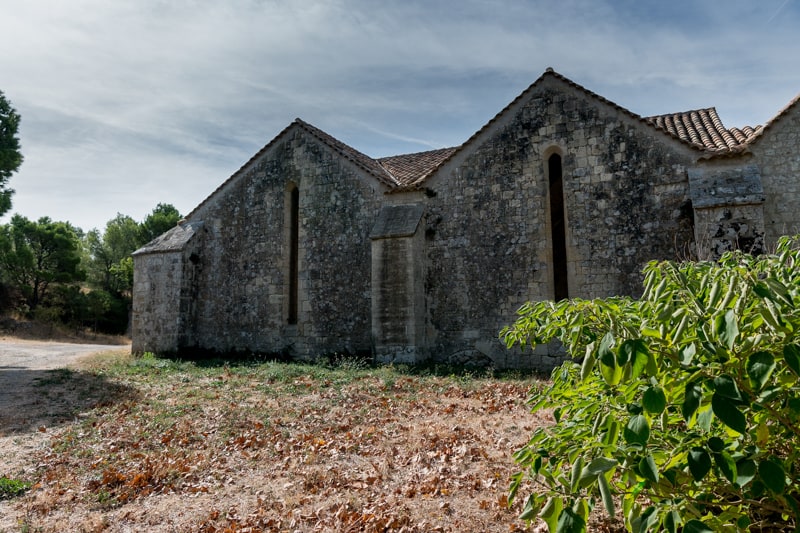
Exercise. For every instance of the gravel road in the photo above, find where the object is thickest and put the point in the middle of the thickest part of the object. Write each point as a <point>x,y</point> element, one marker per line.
<point>38,355</point>
<point>24,368</point>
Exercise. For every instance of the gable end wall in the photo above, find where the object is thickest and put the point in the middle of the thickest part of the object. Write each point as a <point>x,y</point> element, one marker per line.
<point>488,224</point>
<point>242,293</point>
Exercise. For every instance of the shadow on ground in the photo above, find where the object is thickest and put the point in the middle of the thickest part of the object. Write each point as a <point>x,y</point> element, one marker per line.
<point>41,399</point>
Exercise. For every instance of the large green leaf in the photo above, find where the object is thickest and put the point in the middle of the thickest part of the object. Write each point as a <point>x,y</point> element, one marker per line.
<point>760,366</point>
<point>699,462</point>
<point>606,495</point>
<point>745,472</point>
<point>687,353</point>
<point>780,290</point>
<point>570,522</point>
<point>551,511</point>
<point>716,444</point>
<point>635,352</point>
<point>696,526</point>
<point>704,418</point>
<point>691,400</point>
<point>588,365</point>
<point>575,477</point>
<point>599,465</point>
<point>772,474</point>
<point>609,369</point>
<point>646,521</point>
<point>672,521</point>
<point>726,465</point>
<point>728,413</point>
<point>725,385</point>
<point>726,328</point>
<point>637,430</point>
<point>648,468</point>
<point>531,508</point>
<point>791,354</point>
<point>654,400</point>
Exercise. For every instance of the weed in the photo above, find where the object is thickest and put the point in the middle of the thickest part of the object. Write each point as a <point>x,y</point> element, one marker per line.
<point>11,488</point>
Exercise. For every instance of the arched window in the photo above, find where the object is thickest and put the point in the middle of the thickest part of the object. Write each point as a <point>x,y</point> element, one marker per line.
<point>294,236</point>
<point>558,229</point>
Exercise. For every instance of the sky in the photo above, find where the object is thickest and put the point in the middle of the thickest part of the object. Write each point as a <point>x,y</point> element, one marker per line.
<point>128,104</point>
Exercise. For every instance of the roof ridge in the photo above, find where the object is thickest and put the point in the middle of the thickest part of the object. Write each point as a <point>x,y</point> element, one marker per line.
<point>360,159</point>
<point>384,158</point>
<point>412,168</point>
<point>380,173</point>
<point>247,163</point>
<point>550,72</point>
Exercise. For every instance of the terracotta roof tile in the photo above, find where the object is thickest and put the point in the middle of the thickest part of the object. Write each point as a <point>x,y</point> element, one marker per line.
<point>408,169</point>
<point>704,129</point>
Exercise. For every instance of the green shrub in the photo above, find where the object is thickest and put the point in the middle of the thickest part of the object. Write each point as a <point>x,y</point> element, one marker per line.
<point>682,406</point>
<point>11,488</point>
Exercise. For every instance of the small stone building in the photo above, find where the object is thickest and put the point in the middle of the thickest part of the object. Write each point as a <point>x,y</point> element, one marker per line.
<point>314,248</point>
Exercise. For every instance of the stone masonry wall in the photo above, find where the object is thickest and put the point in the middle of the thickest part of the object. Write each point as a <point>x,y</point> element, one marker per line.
<point>156,325</point>
<point>488,225</point>
<point>777,154</point>
<point>725,228</point>
<point>242,287</point>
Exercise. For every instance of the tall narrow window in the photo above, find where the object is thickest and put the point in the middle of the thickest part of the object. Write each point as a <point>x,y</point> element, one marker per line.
<point>294,231</point>
<point>557,224</point>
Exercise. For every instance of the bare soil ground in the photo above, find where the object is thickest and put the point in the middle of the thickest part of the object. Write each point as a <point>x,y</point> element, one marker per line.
<point>116,444</point>
<point>30,406</point>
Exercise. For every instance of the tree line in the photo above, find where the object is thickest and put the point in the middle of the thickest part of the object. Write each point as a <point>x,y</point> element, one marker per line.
<point>55,272</point>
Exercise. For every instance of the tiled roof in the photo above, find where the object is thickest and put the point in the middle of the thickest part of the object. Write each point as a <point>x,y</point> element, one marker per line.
<point>173,240</point>
<point>700,129</point>
<point>704,129</point>
<point>363,161</point>
<point>408,169</point>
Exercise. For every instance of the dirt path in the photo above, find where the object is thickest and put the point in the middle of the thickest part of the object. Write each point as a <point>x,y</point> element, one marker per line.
<point>41,387</point>
<point>26,367</point>
<point>44,355</point>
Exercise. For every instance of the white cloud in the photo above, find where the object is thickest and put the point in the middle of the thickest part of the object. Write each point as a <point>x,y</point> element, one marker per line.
<point>128,104</point>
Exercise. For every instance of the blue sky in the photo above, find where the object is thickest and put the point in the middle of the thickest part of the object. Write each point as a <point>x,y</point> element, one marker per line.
<point>128,104</point>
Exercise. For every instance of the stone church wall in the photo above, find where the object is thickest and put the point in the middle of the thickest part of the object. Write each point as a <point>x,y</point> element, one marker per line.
<point>488,227</point>
<point>242,287</point>
<point>777,154</point>
<point>437,271</point>
<point>156,327</point>
<point>163,291</point>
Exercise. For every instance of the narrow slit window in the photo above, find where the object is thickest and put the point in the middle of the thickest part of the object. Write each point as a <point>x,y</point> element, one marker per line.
<point>557,225</point>
<point>294,236</point>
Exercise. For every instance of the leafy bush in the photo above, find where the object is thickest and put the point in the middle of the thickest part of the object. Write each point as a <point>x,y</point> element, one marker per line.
<point>11,488</point>
<point>683,406</point>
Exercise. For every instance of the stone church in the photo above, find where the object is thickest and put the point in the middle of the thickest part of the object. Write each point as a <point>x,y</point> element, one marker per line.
<point>314,248</point>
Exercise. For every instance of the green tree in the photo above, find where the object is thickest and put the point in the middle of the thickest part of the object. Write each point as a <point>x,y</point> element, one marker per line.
<point>110,264</point>
<point>683,405</point>
<point>164,217</point>
<point>10,156</point>
<point>108,252</point>
<point>35,255</point>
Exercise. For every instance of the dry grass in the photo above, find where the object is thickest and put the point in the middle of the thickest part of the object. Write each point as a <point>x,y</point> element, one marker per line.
<point>280,447</point>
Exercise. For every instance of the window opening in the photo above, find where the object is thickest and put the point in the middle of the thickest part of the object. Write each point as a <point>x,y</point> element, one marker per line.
<point>557,225</point>
<point>294,236</point>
